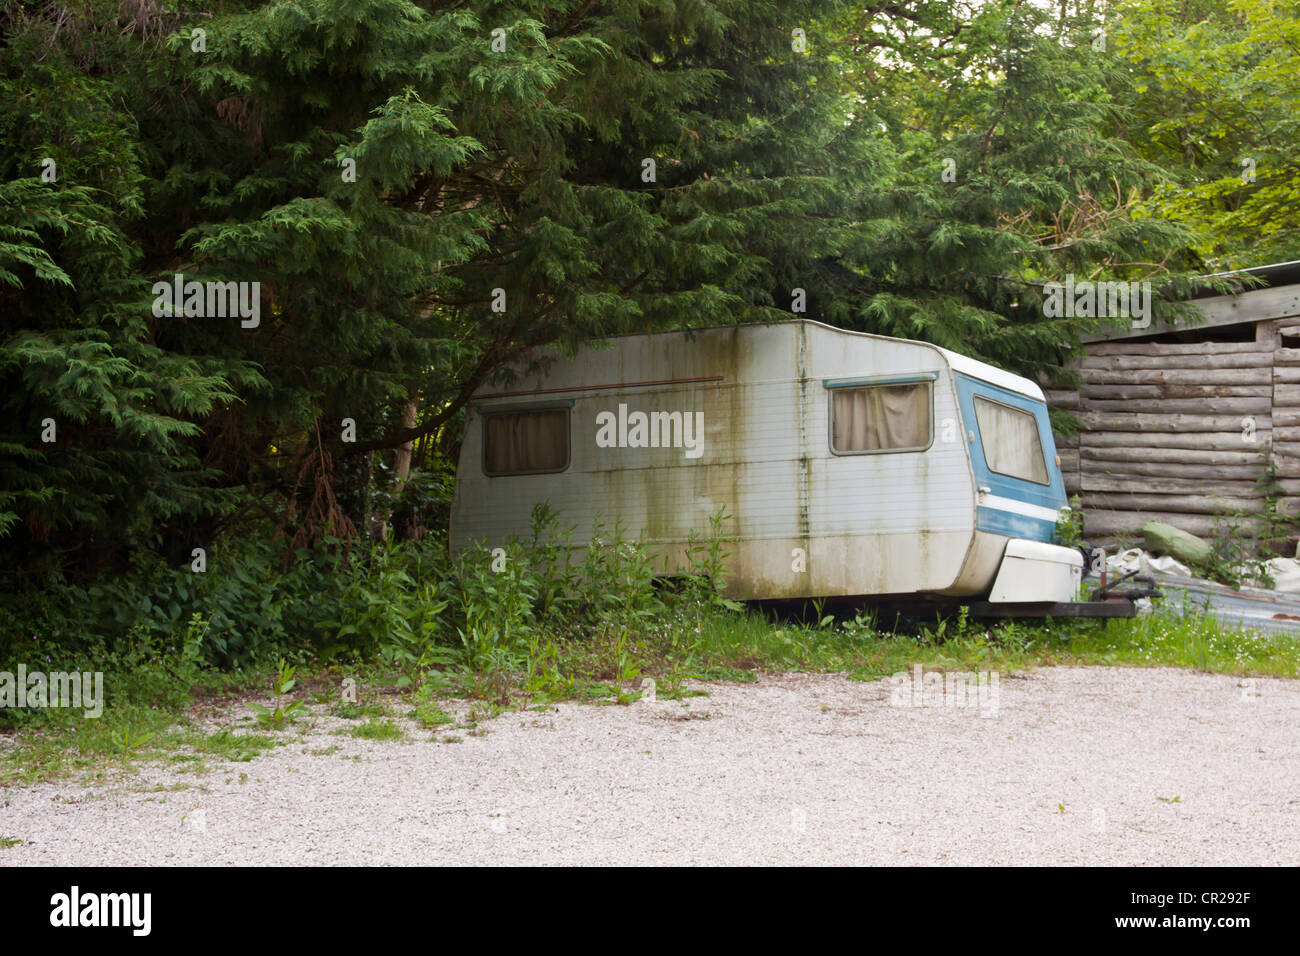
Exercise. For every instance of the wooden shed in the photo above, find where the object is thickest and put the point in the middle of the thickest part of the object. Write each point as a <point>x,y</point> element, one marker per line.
<point>1175,419</point>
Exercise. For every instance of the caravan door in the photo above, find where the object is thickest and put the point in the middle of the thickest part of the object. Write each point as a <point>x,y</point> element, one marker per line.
<point>1012,454</point>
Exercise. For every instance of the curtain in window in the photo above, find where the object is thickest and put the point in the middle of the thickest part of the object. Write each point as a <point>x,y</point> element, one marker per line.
<point>881,417</point>
<point>520,442</point>
<point>1011,445</point>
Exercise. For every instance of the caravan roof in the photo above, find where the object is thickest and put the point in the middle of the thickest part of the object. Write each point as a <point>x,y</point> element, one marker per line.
<point>956,361</point>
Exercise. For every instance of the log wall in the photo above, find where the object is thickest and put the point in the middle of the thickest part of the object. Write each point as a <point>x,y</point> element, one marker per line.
<point>1174,432</point>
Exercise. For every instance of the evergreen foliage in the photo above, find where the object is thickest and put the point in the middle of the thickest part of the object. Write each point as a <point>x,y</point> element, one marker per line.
<point>423,192</point>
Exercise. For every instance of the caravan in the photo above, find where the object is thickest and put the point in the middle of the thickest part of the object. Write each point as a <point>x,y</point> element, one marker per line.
<point>850,464</point>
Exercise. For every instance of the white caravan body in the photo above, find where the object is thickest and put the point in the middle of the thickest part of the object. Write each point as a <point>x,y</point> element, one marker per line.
<point>849,464</point>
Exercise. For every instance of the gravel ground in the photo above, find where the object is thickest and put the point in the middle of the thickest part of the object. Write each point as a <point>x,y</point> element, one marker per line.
<point>1073,766</point>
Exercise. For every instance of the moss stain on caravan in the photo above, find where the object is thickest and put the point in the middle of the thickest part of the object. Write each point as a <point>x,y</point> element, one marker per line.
<point>802,585</point>
<point>730,397</point>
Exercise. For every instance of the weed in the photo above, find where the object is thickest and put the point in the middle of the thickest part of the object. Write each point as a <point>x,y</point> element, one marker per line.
<point>375,730</point>
<point>281,683</point>
<point>428,715</point>
<point>132,742</point>
<point>357,711</point>
<point>223,744</point>
<point>1069,526</point>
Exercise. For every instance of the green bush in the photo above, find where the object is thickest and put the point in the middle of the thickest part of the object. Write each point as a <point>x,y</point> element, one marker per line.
<point>406,607</point>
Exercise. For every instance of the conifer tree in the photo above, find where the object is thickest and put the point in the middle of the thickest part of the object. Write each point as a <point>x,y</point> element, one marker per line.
<point>1003,174</point>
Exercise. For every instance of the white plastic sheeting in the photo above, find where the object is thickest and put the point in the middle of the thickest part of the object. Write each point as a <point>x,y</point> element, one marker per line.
<point>1285,571</point>
<point>1135,559</point>
<point>1286,574</point>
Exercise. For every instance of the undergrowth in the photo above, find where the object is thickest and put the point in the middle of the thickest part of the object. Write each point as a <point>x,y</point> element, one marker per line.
<point>524,625</point>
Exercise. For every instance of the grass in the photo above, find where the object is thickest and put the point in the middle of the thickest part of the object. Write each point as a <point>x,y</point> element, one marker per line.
<point>222,744</point>
<point>357,711</point>
<point>428,715</point>
<point>71,744</point>
<point>719,646</point>
<point>120,740</point>
<point>1191,641</point>
<point>375,730</point>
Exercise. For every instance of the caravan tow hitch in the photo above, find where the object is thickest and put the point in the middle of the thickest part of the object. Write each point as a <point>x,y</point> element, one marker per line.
<point>1107,600</point>
<point>1109,592</point>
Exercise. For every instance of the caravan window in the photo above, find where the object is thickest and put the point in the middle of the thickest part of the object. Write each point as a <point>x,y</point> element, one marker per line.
<point>526,441</point>
<point>1011,443</point>
<point>876,418</point>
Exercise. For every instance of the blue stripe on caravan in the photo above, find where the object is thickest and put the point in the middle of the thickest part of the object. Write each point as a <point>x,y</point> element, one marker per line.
<point>1016,489</point>
<point>997,521</point>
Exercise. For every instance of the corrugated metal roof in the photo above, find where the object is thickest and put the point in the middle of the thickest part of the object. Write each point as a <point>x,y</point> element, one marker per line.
<point>1275,275</point>
<point>1256,608</point>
